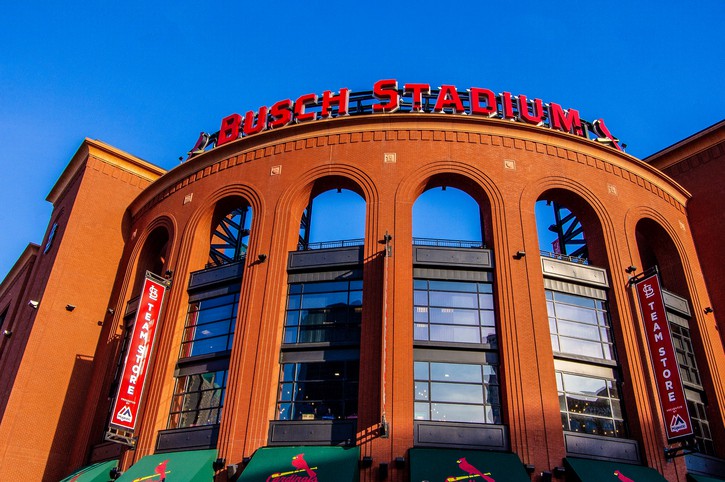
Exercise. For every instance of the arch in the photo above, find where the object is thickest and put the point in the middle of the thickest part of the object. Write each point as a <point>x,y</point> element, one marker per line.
<point>153,251</point>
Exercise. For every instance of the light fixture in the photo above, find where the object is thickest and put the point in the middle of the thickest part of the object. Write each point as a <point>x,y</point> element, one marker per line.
<point>559,471</point>
<point>383,471</point>
<point>519,254</point>
<point>114,473</point>
<point>708,310</point>
<point>7,333</point>
<point>630,269</point>
<point>261,258</point>
<point>529,468</point>
<point>366,462</point>
<point>218,464</point>
<point>70,307</point>
<point>110,311</point>
<point>399,462</point>
<point>33,304</point>
<point>169,274</point>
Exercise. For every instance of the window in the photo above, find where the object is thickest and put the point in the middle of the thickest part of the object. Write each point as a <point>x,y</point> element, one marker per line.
<point>694,391</point>
<point>201,374</point>
<point>589,404</point>
<point>454,311</point>
<point>318,390</point>
<point>456,363</point>
<point>457,392</point>
<point>588,386</point>
<point>322,383</point>
<point>329,311</point>
<point>198,399</point>
<point>210,326</point>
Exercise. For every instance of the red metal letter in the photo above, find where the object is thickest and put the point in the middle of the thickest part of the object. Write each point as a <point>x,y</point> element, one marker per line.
<point>281,113</point>
<point>230,129</point>
<point>523,106</point>
<point>507,106</point>
<point>417,90</point>
<point>567,121</point>
<point>301,103</point>
<point>448,97</point>
<point>250,127</point>
<point>386,89</point>
<point>490,109</point>
<point>341,100</point>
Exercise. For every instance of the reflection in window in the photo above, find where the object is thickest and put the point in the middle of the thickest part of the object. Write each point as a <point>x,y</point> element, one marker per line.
<point>590,405</point>
<point>198,400</point>
<point>329,311</point>
<point>318,390</point>
<point>210,326</point>
<point>454,311</point>
<point>579,325</point>
<point>457,392</point>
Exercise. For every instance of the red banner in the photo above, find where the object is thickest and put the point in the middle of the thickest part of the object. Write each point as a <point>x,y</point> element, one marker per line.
<point>667,371</point>
<point>133,376</point>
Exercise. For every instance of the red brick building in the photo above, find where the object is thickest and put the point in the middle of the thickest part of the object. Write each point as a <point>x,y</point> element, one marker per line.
<point>383,358</point>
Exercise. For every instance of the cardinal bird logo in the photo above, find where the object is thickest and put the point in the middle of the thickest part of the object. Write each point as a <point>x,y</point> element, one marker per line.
<point>472,471</point>
<point>298,461</point>
<point>159,471</point>
<point>301,466</point>
<point>622,477</point>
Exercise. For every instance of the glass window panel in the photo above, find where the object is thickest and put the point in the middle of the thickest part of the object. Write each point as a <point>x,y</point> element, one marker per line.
<point>454,316</point>
<point>421,391</point>
<point>420,284</point>
<point>456,392</point>
<point>453,300</point>
<point>576,313</point>
<point>292,318</point>
<point>452,286</point>
<point>422,411</point>
<point>485,288</point>
<point>488,335</point>
<point>420,314</point>
<point>293,302</point>
<point>457,334</point>
<point>485,302</point>
<point>449,412</point>
<point>356,285</point>
<point>215,314</point>
<point>581,384</point>
<point>325,286</point>
<point>420,298</point>
<point>455,372</point>
<point>574,299</point>
<point>578,330</point>
<point>420,332</point>
<point>487,318</point>
<point>219,300</point>
<point>420,370</point>
<point>323,300</point>
<point>355,298</point>
<point>580,347</point>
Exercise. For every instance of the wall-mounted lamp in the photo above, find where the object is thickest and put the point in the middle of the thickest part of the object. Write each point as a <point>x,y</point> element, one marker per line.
<point>708,310</point>
<point>519,254</point>
<point>630,269</point>
<point>169,274</point>
<point>33,304</point>
<point>261,258</point>
<point>7,333</point>
<point>366,462</point>
<point>114,473</point>
<point>218,464</point>
<point>559,472</point>
<point>399,462</point>
<point>110,311</point>
<point>70,307</point>
<point>529,468</point>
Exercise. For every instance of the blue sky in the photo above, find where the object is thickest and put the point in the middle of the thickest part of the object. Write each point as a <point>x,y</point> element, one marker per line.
<point>147,77</point>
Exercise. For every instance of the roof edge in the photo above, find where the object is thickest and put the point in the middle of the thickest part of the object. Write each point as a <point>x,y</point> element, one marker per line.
<point>30,251</point>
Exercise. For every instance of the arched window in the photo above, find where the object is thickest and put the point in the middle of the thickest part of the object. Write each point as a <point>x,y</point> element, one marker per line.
<point>582,339</point>
<point>230,237</point>
<point>334,218</point>
<point>456,362</point>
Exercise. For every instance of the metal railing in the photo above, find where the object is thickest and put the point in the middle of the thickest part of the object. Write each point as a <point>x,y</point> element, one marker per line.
<point>342,243</point>
<point>563,257</point>
<point>448,243</point>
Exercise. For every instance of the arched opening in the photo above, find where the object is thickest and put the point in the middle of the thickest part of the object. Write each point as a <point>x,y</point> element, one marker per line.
<point>580,321</point>
<point>658,253</point>
<point>333,218</point>
<point>153,257</point>
<point>231,222</point>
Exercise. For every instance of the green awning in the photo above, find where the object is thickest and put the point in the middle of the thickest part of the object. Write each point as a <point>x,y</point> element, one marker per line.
<point>323,464</point>
<point>451,465</point>
<point>702,478</point>
<point>587,470</point>
<point>191,466</point>
<point>93,473</point>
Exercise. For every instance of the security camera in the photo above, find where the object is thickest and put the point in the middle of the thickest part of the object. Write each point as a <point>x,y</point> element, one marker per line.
<point>33,304</point>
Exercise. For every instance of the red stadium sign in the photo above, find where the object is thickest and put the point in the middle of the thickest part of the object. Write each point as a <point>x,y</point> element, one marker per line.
<point>130,390</point>
<point>667,372</point>
<point>388,96</point>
